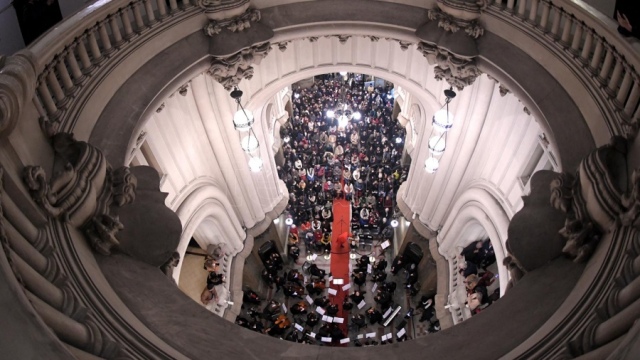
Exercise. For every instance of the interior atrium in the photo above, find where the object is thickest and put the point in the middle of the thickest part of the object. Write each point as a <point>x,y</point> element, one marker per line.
<point>303,179</point>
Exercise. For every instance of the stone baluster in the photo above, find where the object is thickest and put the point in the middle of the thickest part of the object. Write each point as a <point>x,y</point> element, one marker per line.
<point>104,38</point>
<point>620,323</point>
<point>87,66</point>
<point>606,65</point>
<point>33,257</point>
<point>566,29</point>
<point>498,3</point>
<point>186,3</point>
<point>586,48</point>
<point>40,108</point>
<point>137,15</point>
<point>522,6</point>
<point>47,99</point>
<point>173,5</point>
<point>51,294</point>
<point>616,75</point>
<point>54,86</point>
<point>93,46</point>
<point>510,4</point>
<point>126,23</point>
<point>162,8</point>
<point>555,25</point>
<point>533,12</point>
<point>115,29</point>
<point>632,102</point>
<point>69,86</point>
<point>544,18</point>
<point>597,54</point>
<point>36,237</point>
<point>77,74</point>
<point>83,336</point>
<point>577,39</point>
<point>151,16</point>
<point>627,80</point>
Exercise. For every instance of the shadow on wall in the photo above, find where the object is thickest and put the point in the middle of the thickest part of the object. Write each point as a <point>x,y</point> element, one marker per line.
<point>428,276</point>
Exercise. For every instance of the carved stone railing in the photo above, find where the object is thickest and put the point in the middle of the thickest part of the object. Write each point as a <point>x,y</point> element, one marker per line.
<point>76,52</point>
<point>589,43</point>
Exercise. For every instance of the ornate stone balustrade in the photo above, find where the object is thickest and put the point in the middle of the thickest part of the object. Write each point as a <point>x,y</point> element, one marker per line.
<point>590,44</point>
<point>73,54</point>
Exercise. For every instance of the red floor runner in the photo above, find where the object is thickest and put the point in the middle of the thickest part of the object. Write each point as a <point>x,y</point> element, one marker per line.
<point>340,253</point>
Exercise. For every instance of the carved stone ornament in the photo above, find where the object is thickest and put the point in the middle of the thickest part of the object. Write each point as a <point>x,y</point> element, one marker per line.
<point>17,86</point>
<point>457,71</point>
<point>82,189</point>
<point>223,9</point>
<point>503,90</point>
<point>602,179</point>
<point>230,70</point>
<point>453,24</point>
<point>282,46</point>
<point>183,90</point>
<point>235,24</point>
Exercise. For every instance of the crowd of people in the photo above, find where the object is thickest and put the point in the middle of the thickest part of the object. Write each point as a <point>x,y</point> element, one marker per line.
<point>475,258</point>
<point>325,159</point>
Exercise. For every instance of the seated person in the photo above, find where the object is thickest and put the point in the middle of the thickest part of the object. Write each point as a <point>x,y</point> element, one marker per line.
<point>359,321</point>
<point>312,319</point>
<point>295,276</point>
<point>332,310</point>
<point>380,265</point>
<point>359,277</point>
<point>398,263</point>
<point>214,279</point>
<point>294,253</point>
<point>251,297</point>
<point>299,308</point>
<point>357,296</point>
<point>383,298</point>
<point>323,302</point>
<point>347,305</point>
<point>388,286</point>
<point>315,271</point>
<point>379,276</point>
<point>374,315</point>
<point>293,290</point>
<point>271,310</point>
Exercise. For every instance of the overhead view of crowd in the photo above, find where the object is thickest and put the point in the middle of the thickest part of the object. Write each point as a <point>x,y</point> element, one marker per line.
<point>475,259</point>
<point>327,158</point>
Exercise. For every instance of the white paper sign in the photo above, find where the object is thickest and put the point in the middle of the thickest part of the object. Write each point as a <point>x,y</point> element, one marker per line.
<point>386,314</point>
<point>400,333</point>
<point>371,335</point>
<point>369,268</point>
<point>389,336</point>
<point>338,320</point>
<point>385,244</point>
<point>309,300</point>
<point>361,336</point>
<point>338,281</point>
<point>345,341</point>
<point>284,308</point>
<point>325,339</point>
<point>299,327</point>
<point>314,257</point>
<point>374,287</point>
<point>306,279</point>
<point>384,338</point>
<point>320,310</point>
<point>332,291</point>
<point>362,304</point>
<point>346,287</point>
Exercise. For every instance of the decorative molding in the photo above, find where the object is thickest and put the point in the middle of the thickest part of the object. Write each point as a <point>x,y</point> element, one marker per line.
<point>183,90</point>
<point>282,46</point>
<point>17,87</point>
<point>457,71</point>
<point>160,108</point>
<point>312,39</point>
<point>526,110</point>
<point>453,24</point>
<point>235,24</point>
<point>503,90</point>
<point>341,38</point>
<point>230,70</point>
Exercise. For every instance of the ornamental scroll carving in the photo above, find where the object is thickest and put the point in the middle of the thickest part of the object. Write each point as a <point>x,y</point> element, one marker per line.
<point>230,70</point>
<point>82,189</point>
<point>17,86</point>
<point>236,24</point>
<point>457,71</point>
<point>602,179</point>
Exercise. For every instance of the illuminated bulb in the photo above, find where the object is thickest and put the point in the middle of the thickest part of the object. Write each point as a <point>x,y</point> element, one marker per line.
<point>357,115</point>
<point>249,143</point>
<point>442,120</point>
<point>330,114</point>
<point>327,257</point>
<point>255,164</point>
<point>398,140</point>
<point>289,221</point>
<point>437,145</point>
<point>343,73</point>
<point>372,259</point>
<point>286,139</point>
<point>407,222</point>
<point>389,96</point>
<point>352,256</point>
<point>431,165</point>
<point>242,120</point>
<point>343,121</point>
<point>394,223</point>
<point>276,220</point>
<point>296,95</point>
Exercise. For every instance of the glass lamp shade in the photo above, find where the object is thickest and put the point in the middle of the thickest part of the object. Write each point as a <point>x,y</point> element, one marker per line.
<point>398,140</point>
<point>357,115</point>
<point>255,164</point>
<point>442,120</point>
<point>437,144</point>
<point>330,114</point>
<point>394,223</point>
<point>249,143</point>
<point>289,221</point>
<point>242,120</point>
<point>431,165</point>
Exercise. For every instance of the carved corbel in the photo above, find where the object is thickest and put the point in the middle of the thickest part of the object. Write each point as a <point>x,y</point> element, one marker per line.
<point>457,71</point>
<point>235,24</point>
<point>17,87</point>
<point>230,70</point>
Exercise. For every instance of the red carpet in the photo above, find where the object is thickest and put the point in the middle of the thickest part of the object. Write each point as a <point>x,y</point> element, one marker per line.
<point>340,253</point>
